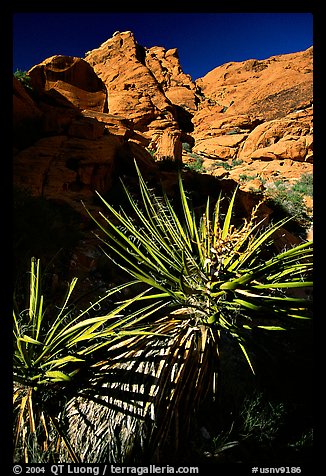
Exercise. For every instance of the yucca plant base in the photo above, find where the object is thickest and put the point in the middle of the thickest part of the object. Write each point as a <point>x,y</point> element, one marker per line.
<point>136,411</point>
<point>144,400</point>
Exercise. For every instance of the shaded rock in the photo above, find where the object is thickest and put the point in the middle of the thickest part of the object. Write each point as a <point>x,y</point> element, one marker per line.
<point>27,117</point>
<point>86,128</point>
<point>116,125</point>
<point>69,168</point>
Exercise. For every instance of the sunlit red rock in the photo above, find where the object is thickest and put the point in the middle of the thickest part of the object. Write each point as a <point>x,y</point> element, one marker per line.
<point>69,81</point>
<point>243,119</point>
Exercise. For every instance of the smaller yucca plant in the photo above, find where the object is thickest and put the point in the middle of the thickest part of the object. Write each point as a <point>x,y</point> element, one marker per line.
<point>51,345</point>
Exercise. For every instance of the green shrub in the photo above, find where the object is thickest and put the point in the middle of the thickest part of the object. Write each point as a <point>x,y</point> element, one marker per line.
<point>23,77</point>
<point>261,420</point>
<point>246,178</point>
<point>290,199</point>
<point>261,428</point>
<point>197,164</point>
<point>304,185</point>
<point>236,162</point>
<point>186,147</point>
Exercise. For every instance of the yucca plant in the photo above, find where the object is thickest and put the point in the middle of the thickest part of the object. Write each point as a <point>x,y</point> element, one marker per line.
<point>51,345</point>
<point>220,274</point>
<point>216,279</point>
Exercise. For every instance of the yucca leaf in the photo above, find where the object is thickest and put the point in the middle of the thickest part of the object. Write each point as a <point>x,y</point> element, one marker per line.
<point>39,319</point>
<point>294,272</point>
<point>227,220</point>
<point>29,340</point>
<point>146,195</point>
<point>86,323</point>
<point>245,353</point>
<point>272,328</point>
<point>290,258</point>
<point>290,284</point>
<point>180,236</point>
<point>61,361</point>
<point>248,304</point>
<point>298,316</point>
<point>23,355</point>
<point>267,266</point>
<point>216,219</point>
<point>189,216</point>
<point>296,249</point>
<point>268,297</point>
<point>34,287</point>
<point>57,376</point>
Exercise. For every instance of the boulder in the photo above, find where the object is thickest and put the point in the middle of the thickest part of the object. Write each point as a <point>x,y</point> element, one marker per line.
<point>285,138</point>
<point>69,82</point>
<point>269,88</point>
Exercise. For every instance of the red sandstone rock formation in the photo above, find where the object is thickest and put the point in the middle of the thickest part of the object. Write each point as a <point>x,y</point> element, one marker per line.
<point>255,116</point>
<point>239,96</point>
<point>147,86</point>
<point>69,81</point>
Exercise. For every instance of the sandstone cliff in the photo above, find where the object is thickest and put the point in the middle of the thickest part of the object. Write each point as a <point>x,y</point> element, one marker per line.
<point>259,114</point>
<point>85,117</point>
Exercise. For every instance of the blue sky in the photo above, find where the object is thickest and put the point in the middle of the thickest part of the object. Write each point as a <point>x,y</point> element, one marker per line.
<point>204,40</point>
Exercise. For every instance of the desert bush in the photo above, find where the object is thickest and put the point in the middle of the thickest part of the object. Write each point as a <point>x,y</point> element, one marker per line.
<point>23,77</point>
<point>289,199</point>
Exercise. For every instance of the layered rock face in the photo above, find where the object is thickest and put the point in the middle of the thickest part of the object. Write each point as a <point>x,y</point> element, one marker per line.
<point>77,143</point>
<point>84,117</point>
<point>258,114</point>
